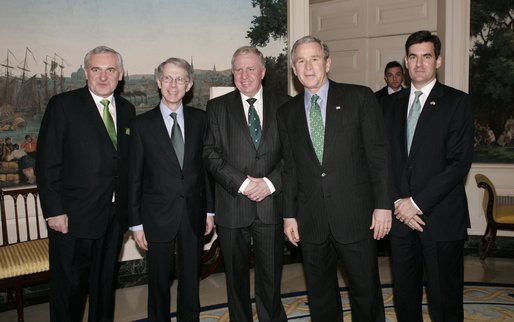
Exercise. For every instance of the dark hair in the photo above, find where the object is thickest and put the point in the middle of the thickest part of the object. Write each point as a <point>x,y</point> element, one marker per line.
<point>423,36</point>
<point>392,64</point>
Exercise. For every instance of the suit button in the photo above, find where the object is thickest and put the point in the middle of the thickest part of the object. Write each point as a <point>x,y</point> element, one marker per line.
<point>182,196</point>
<point>256,158</point>
<point>323,174</point>
<point>182,177</point>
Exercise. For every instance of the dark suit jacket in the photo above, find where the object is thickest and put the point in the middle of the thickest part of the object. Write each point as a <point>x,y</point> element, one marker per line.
<point>160,192</point>
<point>440,157</point>
<point>381,93</point>
<point>230,156</point>
<point>78,169</point>
<point>340,195</point>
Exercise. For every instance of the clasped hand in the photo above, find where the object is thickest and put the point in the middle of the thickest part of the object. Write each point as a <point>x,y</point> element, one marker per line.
<point>407,213</point>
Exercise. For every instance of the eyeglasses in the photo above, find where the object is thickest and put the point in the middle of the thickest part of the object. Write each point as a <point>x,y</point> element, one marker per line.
<point>179,80</point>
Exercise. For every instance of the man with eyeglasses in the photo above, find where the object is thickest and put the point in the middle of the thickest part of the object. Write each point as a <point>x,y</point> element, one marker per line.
<point>243,153</point>
<point>84,194</point>
<point>169,194</point>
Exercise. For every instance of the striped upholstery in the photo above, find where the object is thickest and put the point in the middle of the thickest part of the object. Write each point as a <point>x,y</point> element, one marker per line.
<point>24,258</point>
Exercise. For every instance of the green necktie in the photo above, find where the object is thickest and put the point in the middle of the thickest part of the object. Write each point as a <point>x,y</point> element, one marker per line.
<point>317,128</point>
<point>254,123</point>
<point>412,119</point>
<point>177,140</point>
<point>109,123</point>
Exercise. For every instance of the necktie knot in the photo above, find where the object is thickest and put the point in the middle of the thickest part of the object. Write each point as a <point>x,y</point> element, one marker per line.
<point>251,101</point>
<point>105,103</point>
<point>174,116</point>
<point>314,100</point>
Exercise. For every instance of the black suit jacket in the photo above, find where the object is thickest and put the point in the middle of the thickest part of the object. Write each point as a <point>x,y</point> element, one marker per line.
<point>160,192</point>
<point>440,157</point>
<point>78,169</point>
<point>381,93</point>
<point>231,156</point>
<point>338,196</point>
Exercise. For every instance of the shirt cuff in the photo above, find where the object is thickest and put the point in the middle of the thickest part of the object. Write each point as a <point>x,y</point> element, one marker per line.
<point>210,214</point>
<point>270,185</point>
<point>412,200</point>
<point>243,186</point>
<point>136,228</point>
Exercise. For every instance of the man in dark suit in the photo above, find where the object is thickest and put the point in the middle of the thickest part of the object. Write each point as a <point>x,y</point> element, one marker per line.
<point>430,129</point>
<point>82,180</point>
<point>169,193</point>
<point>242,152</point>
<point>336,184</point>
<point>393,76</point>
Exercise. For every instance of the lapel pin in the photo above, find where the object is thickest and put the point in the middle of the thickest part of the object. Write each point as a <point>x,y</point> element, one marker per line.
<point>338,107</point>
<point>432,103</point>
<point>127,131</point>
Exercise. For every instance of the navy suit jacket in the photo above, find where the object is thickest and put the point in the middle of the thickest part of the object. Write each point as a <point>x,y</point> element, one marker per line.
<point>440,157</point>
<point>78,169</point>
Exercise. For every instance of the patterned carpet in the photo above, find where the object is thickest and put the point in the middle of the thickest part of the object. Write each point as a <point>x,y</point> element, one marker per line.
<point>482,302</point>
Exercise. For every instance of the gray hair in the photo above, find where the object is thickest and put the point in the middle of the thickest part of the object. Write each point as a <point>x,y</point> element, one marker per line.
<point>179,62</point>
<point>307,40</point>
<point>248,50</point>
<point>103,50</point>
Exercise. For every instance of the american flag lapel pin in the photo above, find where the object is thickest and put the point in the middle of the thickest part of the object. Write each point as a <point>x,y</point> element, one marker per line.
<point>338,107</point>
<point>432,103</point>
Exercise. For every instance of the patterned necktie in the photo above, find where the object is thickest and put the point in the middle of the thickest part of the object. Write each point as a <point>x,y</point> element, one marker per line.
<point>254,123</point>
<point>109,123</point>
<point>317,128</point>
<point>412,119</point>
<point>177,140</point>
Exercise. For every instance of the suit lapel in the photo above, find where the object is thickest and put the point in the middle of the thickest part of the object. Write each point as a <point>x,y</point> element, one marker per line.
<point>91,112</point>
<point>301,119</point>
<point>161,135</point>
<point>336,102</point>
<point>190,132</point>
<point>400,115</point>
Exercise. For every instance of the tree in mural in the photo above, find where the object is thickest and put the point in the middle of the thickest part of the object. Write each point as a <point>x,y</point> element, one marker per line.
<point>492,64</point>
<point>271,25</point>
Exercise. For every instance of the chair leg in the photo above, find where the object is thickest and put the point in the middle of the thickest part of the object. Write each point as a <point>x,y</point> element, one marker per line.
<point>19,303</point>
<point>488,239</point>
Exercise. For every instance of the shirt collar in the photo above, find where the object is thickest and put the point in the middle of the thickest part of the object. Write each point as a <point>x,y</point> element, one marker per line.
<point>426,89</point>
<point>322,94</point>
<point>97,98</point>
<point>165,111</point>
<point>258,96</point>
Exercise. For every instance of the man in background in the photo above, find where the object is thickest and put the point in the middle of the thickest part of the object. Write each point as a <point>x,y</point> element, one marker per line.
<point>84,194</point>
<point>393,76</point>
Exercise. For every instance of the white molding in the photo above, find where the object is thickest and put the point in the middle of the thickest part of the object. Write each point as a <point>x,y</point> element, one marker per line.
<point>297,27</point>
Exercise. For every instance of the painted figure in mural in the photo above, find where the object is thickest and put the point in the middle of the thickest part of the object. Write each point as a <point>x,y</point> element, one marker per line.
<point>29,145</point>
<point>26,163</point>
<point>430,129</point>
<point>393,76</point>
<point>336,184</point>
<point>169,193</point>
<point>83,194</point>
<point>242,152</point>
